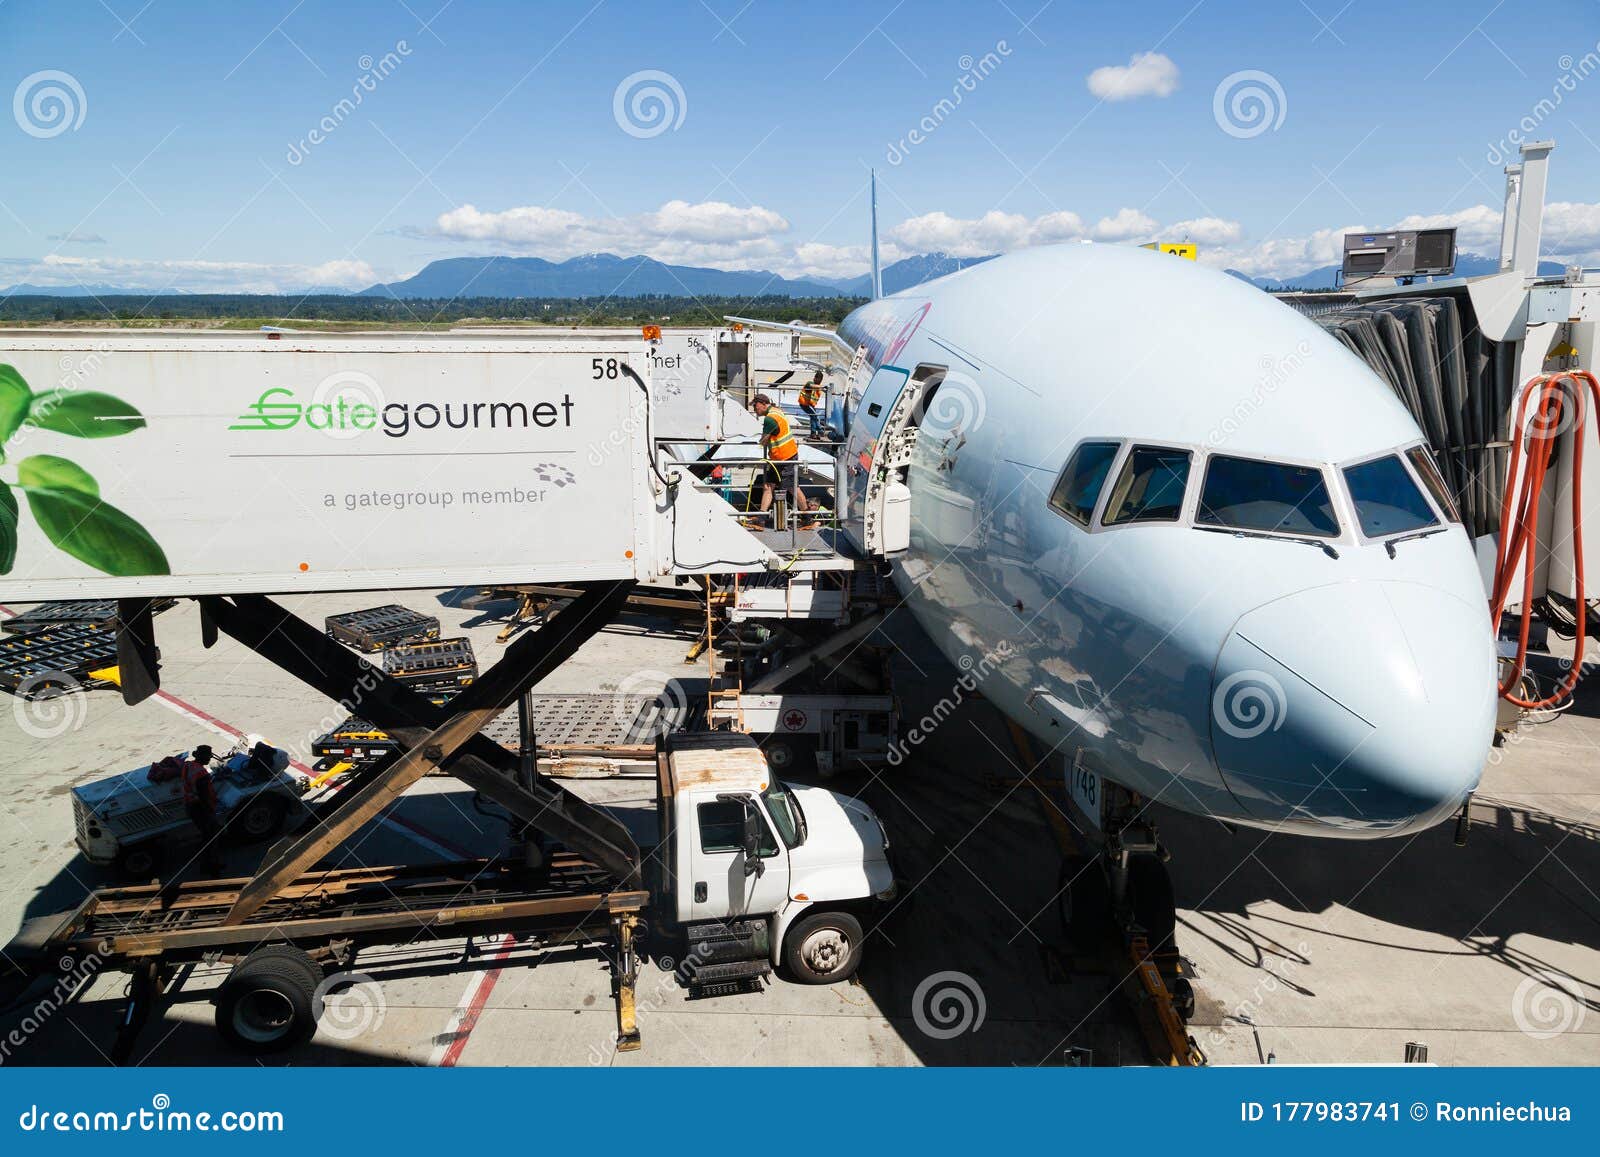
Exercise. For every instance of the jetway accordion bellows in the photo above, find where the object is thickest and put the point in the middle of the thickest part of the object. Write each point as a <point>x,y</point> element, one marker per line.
<point>1456,384</point>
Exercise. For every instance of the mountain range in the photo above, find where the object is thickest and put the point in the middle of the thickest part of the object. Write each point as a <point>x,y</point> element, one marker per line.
<point>607,275</point>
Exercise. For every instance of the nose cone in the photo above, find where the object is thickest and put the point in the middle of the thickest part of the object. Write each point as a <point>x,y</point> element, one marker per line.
<point>1366,708</point>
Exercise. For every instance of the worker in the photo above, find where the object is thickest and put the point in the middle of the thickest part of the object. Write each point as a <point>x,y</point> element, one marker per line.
<point>783,459</point>
<point>810,398</point>
<point>200,801</point>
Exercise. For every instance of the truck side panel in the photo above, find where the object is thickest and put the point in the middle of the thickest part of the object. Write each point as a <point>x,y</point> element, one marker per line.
<point>163,464</point>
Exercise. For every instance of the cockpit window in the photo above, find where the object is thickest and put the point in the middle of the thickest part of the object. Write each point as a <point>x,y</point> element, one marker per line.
<point>1274,497</point>
<point>1422,463</point>
<point>1387,500</point>
<point>1078,488</point>
<point>1150,487</point>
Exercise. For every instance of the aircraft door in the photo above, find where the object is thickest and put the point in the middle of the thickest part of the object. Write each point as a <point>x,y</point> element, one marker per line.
<point>883,433</point>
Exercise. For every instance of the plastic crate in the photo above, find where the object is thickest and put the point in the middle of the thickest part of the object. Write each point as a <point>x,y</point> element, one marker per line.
<point>443,664</point>
<point>355,740</point>
<point>100,613</point>
<point>378,627</point>
<point>55,659</point>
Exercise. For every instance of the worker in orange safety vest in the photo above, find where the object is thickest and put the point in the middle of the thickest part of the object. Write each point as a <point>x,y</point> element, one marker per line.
<point>783,459</point>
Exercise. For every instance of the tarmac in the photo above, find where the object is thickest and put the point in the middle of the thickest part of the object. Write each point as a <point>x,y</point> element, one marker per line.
<point>1305,951</point>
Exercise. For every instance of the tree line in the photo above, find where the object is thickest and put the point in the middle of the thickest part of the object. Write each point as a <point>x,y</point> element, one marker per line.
<point>242,309</point>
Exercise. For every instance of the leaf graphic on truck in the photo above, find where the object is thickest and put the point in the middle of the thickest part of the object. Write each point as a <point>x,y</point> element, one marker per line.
<point>63,497</point>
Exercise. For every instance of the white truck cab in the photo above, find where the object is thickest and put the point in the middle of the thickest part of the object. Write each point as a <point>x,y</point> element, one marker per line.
<point>759,873</point>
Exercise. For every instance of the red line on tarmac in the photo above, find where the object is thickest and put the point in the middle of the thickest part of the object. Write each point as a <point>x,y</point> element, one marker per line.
<point>475,1005</point>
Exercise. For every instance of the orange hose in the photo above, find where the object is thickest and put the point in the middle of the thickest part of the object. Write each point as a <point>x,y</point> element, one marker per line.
<point>1519,535</point>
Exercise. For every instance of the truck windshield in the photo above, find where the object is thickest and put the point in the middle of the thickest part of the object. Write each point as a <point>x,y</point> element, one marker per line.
<point>786,814</point>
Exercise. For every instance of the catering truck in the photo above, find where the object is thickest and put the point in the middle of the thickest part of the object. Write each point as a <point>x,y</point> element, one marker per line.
<point>750,875</point>
<point>171,464</point>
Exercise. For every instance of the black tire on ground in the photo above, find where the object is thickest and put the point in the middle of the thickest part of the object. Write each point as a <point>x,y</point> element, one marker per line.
<point>268,1003</point>
<point>823,948</point>
<point>1154,906</point>
<point>1182,997</point>
<point>260,819</point>
<point>139,863</point>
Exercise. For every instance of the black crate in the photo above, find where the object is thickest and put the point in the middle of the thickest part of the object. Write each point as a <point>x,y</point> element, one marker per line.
<point>55,659</point>
<point>100,613</point>
<point>440,665</point>
<point>355,740</point>
<point>378,627</point>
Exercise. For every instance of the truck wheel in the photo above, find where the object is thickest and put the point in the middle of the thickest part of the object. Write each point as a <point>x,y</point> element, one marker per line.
<point>140,863</point>
<point>788,755</point>
<point>268,1002</point>
<point>823,948</point>
<point>258,820</point>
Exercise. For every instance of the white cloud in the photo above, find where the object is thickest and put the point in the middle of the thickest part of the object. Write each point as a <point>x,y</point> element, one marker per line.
<point>1571,233</point>
<point>1126,225</point>
<point>1146,74</point>
<point>707,232</point>
<point>180,276</point>
<point>1204,231</point>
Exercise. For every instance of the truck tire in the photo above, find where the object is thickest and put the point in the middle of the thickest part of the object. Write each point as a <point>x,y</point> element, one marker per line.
<point>268,1002</point>
<point>823,948</point>
<point>258,820</point>
<point>139,863</point>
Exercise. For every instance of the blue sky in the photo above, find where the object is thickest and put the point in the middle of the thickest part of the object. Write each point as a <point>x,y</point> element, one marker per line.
<point>183,153</point>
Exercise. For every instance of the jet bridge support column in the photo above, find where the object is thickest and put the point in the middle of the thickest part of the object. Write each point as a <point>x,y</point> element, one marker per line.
<point>430,736</point>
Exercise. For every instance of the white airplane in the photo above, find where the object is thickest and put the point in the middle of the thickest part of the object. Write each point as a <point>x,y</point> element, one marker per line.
<point>1179,534</point>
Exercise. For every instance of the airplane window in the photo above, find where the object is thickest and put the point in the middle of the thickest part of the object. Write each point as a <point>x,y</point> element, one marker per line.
<point>1150,488</point>
<point>1422,462</point>
<point>1269,496</point>
<point>1078,488</point>
<point>1387,500</point>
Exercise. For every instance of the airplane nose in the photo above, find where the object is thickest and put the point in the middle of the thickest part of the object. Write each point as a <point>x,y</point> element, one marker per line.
<point>1366,707</point>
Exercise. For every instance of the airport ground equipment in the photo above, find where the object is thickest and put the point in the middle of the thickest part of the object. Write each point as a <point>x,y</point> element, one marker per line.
<point>739,848</point>
<point>59,659</point>
<point>375,628</point>
<point>100,613</point>
<point>138,826</point>
<point>577,735</point>
<point>440,666</point>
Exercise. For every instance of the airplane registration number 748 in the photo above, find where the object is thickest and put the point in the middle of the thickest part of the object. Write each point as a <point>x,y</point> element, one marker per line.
<point>1085,788</point>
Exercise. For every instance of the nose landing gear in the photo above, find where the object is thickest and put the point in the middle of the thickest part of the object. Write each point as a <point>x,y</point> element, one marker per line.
<point>1117,905</point>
